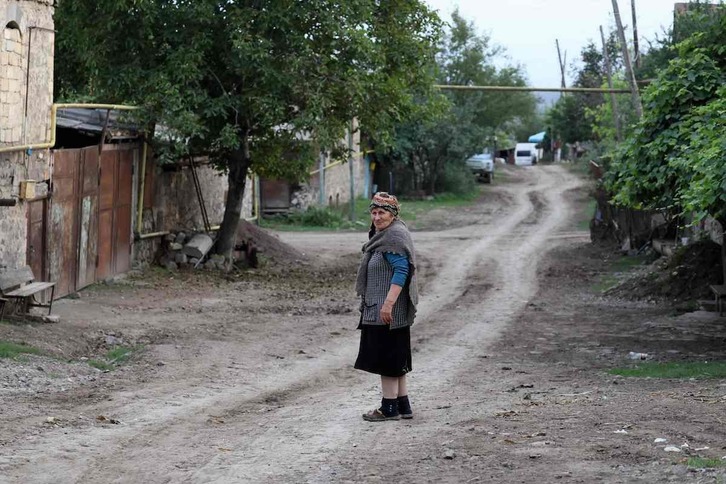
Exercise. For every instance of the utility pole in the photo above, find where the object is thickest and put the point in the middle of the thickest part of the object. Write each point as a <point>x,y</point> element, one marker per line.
<point>562,65</point>
<point>636,50</point>
<point>628,66</point>
<point>608,71</point>
<point>351,169</point>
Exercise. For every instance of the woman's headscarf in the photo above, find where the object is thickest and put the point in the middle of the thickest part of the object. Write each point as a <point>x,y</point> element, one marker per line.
<point>385,201</point>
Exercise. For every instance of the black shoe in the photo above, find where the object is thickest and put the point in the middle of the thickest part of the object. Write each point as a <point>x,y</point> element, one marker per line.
<point>404,407</point>
<point>387,411</point>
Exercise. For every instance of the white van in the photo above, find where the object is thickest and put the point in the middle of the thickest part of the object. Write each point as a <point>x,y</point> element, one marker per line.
<point>525,154</point>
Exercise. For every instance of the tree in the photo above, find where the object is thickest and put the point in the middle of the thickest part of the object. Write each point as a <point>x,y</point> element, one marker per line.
<point>674,159</point>
<point>698,17</point>
<point>451,126</point>
<point>257,85</point>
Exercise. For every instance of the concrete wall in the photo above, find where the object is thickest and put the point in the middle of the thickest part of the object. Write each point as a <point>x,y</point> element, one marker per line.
<point>26,77</point>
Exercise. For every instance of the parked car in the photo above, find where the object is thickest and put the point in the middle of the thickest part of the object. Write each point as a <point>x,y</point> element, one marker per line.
<point>482,165</point>
<point>525,154</point>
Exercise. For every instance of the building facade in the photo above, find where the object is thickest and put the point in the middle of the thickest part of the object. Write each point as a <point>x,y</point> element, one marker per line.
<point>26,97</point>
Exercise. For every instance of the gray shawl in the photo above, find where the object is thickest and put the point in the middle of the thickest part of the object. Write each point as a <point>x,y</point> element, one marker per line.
<point>397,240</point>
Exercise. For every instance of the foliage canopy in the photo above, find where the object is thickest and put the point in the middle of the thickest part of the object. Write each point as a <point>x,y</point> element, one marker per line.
<point>674,159</point>
<point>258,85</point>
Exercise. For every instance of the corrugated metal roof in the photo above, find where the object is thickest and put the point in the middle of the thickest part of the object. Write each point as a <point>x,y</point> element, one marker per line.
<point>93,121</point>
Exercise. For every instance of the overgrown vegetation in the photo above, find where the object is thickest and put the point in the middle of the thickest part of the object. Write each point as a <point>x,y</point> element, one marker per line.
<point>13,350</point>
<point>696,370</point>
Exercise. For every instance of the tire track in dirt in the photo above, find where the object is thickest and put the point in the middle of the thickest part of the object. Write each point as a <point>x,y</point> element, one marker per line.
<point>289,425</point>
<point>440,360</point>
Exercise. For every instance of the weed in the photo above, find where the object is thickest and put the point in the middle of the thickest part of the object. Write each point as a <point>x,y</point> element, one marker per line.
<point>704,463</point>
<point>13,350</point>
<point>100,365</point>
<point>689,369</point>
<point>120,354</point>
<point>114,357</point>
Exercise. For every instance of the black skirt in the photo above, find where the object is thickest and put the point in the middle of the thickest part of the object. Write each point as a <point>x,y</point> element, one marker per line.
<point>384,351</point>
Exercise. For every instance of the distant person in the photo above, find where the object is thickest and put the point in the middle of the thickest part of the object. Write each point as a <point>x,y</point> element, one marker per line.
<point>387,285</point>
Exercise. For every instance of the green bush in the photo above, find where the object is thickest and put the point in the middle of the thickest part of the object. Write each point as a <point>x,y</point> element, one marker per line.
<point>456,179</point>
<point>313,217</point>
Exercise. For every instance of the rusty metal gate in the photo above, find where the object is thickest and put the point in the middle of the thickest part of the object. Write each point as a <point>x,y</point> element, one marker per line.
<point>114,216</point>
<point>89,217</point>
<point>73,221</point>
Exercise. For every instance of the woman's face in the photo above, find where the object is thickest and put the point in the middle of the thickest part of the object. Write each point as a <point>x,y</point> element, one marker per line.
<point>381,218</point>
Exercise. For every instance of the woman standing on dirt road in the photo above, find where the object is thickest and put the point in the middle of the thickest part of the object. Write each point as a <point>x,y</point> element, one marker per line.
<point>387,285</point>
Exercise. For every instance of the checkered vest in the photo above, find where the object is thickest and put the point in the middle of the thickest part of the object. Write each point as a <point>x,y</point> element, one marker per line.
<point>380,273</point>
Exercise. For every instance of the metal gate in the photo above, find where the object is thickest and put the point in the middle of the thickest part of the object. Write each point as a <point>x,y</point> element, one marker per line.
<point>73,221</point>
<point>114,216</point>
<point>89,218</point>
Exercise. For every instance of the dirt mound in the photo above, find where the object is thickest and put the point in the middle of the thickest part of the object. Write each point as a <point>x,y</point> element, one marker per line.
<point>685,276</point>
<point>268,246</point>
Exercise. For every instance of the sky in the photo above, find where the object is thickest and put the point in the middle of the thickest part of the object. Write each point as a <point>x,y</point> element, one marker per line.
<point>527,29</point>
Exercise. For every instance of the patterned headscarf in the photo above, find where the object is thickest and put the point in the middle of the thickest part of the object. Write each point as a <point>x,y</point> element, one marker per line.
<point>386,202</point>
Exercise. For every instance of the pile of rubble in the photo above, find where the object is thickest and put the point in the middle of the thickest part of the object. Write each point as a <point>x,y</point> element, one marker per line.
<point>180,249</point>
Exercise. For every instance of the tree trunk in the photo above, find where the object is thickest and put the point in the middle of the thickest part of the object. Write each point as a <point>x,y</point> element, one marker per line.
<point>723,249</point>
<point>239,163</point>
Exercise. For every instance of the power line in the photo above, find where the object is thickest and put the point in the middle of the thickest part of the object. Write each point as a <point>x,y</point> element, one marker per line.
<point>450,87</point>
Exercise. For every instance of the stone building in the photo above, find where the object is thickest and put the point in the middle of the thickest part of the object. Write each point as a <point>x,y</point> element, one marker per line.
<point>26,96</point>
<point>329,184</point>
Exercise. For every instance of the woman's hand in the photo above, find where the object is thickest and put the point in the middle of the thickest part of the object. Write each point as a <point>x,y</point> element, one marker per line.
<point>387,312</point>
<point>387,308</point>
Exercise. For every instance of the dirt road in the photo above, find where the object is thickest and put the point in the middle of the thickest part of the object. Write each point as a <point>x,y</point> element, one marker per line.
<point>251,380</point>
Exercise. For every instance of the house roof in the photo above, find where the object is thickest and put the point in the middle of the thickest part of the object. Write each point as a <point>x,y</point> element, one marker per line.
<point>93,121</point>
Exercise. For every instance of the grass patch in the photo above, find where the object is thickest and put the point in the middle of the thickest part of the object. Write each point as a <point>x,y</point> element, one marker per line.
<point>580,167</point>
<point>586,214</point>
<point>690,369</point>
<point>13,350</point>
<point>612,275</point>
<point>312,219</point>
<point>327,218</point>
<point>114,357</point>
<point>705,463</point>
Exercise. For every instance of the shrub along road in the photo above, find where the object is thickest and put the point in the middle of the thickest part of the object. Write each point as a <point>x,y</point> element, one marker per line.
<point>249,378</point>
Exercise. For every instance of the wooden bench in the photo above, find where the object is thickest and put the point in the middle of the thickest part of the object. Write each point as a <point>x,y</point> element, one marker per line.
<point>720,293</point>
<point>17,285</point>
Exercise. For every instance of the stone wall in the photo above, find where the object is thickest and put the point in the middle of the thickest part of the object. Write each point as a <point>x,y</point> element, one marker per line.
<point>176,206</point>
<point>26,76</point>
